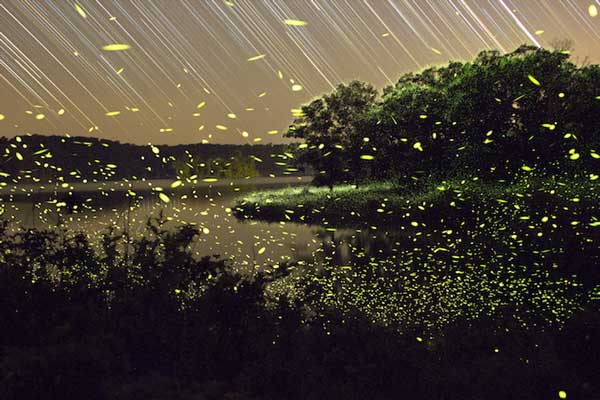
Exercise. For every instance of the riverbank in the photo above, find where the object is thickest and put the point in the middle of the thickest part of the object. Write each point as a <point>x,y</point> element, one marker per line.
<point>383,203</point>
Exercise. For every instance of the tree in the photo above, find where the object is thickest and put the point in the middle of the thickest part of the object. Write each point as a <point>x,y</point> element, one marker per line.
<point>489,118</point>
<point>240,166</point>
<point>329,127</point>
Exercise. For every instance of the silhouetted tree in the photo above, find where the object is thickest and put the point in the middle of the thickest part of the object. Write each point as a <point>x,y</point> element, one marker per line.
<point>330,129</point>
<point>491,117</point>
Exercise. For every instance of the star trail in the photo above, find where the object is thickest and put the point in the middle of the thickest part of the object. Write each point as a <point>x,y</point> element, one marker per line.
<point>214,71</point>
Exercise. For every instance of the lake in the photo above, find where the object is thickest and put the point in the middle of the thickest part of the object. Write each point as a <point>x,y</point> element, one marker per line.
<point>94,208</point>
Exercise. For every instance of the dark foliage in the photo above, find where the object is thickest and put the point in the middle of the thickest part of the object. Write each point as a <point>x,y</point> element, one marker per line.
<point>81,323</point>
<point>72,159</point>
<point>489,118</point>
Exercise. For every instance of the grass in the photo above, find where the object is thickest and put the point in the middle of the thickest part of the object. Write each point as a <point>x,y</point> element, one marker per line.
<point>384,203</point>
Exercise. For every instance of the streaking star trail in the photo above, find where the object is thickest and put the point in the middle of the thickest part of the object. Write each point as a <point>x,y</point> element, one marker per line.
<point>138,71</point>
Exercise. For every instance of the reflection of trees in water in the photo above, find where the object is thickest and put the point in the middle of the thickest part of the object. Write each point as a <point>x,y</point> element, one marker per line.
<point>344,246</point>
<point>85,205</point>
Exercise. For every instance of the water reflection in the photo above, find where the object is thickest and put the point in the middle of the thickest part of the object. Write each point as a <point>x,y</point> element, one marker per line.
<point>248,243</point>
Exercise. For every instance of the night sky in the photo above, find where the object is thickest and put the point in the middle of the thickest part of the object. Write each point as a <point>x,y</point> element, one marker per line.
<point>233,71</point>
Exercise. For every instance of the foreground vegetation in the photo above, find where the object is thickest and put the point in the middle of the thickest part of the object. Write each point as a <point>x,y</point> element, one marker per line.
<point>153,321</point>
<point>507,261</point>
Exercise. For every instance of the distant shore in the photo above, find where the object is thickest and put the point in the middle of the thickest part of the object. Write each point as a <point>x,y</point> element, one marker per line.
<point>142,185</point>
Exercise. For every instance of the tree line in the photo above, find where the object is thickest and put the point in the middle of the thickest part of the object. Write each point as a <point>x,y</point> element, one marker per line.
<point>501,115</point>
<point>37,158</point>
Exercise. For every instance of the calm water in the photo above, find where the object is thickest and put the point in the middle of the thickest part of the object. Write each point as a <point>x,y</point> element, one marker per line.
<point>93,208</point>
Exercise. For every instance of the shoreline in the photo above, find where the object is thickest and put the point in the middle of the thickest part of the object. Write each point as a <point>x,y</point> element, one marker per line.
<point>27,190</point>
